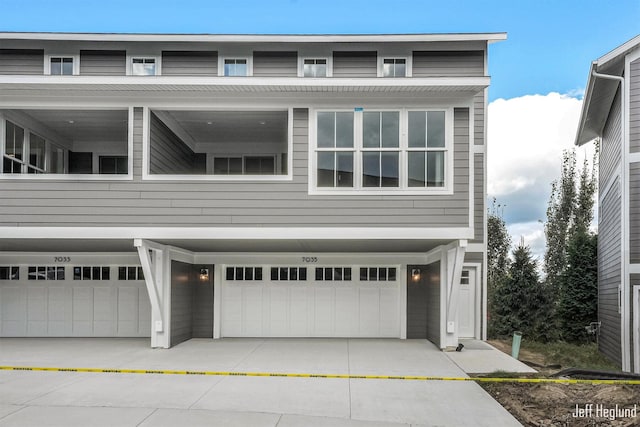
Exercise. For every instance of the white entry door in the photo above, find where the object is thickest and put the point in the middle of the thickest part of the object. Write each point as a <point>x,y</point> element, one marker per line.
<point>467,304</point>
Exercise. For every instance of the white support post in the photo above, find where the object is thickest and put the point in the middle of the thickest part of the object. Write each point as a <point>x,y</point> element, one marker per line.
<point>454,259</point>
<point>154,269</point>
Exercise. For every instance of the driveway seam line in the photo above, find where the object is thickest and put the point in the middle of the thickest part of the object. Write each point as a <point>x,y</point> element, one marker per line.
<point>21,407</point>
<point>147,417</point>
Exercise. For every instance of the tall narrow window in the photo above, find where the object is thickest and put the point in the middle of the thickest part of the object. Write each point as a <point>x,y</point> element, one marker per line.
<point>13,156</point>
<point>56,164</point>
<point>335,149</point>
<point>380,142</point>
<point>235,67</point>
<point>61,66</point>
<point>315,68</point>
<point>426,155</point>
<point>143,66</point>
<point>36,153</point>
<point>394,67</point>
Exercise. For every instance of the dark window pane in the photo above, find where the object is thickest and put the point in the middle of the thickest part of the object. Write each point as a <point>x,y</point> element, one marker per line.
<point>4,273</point>
<point>229,275</point>
<point>51,273</point>
<point>284,273</point>
<point>328,273</point>
<point>259,165</point>
<point>390,129</point>
<point>248,273</point>
<point>140,273</point>
<point>337,273</point>
<point>274,273</point>
<point>77,273</point>
<point>435,129</point>
<point>435,169</point>
<point>319,275</point>
<point>258,273</point>
<point>42,273</point>
<point>417,129</point>
<point>56,66</point>
<point>390,169</point>
<point>416,169</point>
<point>113,165</point>
<point>239,273</point>
<point>392,274</point>
<point>67,66</point>
<point>382,274</point>
<point>302,273</point>
<point>345,169</point>
<point>60,275</point>
<point>95,273</point>
<point>293,274</point>
<point>86,273</point>
<point>33,273</point>
<point>347,273</point>
<point>363,274</point>
<point>326,129</point>
<point>371,129</point>
<point>373,273</point>
<point>106,273</point>
<point>122,273</point>
<point>132,273</point>
<point>344,130</point>
<point>15,273</point>
<point>370,169</point>
<point>325,169</point>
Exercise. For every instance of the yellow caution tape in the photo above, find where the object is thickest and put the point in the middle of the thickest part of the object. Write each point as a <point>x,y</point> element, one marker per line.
<point>300,375</point>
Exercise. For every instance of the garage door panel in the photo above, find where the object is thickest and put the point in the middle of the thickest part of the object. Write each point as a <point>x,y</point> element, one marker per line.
<point>14,311</point>
<point>324,308</point>
<point>82,311</point>
<point>104,311</point>
<point>278,301</point>
<point>369,312</point>
<point>299,311</point>
<point>389,312</point>
<point>36,311</point>
<point>252,311</point>
<point>144,312</point>
<point>127,311</point>
<point>347,312</point>
<point>59,311</point>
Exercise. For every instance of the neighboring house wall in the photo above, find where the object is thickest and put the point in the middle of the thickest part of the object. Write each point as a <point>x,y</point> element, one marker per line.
<point>275,64</point>
<point>448,63</point>
<point>168,155</point>
<point>235,203</point>
<point>189,63</point>
<point>634,107</point>
<point>609,238</point>
<point>103,62</point>
<point>22,61</point>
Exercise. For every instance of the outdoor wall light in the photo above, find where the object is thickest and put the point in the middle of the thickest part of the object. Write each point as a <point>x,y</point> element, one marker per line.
<point>204,274</point>
<point>415,274</point>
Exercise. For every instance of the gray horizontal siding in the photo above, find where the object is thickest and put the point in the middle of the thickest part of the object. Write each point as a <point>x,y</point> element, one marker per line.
<point>103,62</point>
<point>189,63</point>
<point>478,118</point>
<point>355,64</point>
<point>473,257</point>
<point>609,262</point>
<point>257,203</point>
<point>634,212</point>
<point>634,106</point>
<point>610,150</point>
<point>275,64</point>
<point>448,63</point>
<point>479,197</point>
<point>21,61</point>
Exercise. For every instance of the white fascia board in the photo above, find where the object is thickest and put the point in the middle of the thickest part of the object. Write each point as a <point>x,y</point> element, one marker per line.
<point>586,102</point>
<point>248,233</point>
<point>623,49</point>
<point>152,83</point>
<point>256,38</point>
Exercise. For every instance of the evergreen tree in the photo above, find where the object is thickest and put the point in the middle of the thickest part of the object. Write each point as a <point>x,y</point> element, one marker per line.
<point>498,246</point>
<point>521,301</point>
<point>578,304</point>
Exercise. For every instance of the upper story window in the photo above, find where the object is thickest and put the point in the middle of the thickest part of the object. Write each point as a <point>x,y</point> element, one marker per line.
<point>377,151</point>
<point>394,67</point>
<point>143,66</point>
<point>61,65</point>
<point>236,67</point>
<point>315,67</point>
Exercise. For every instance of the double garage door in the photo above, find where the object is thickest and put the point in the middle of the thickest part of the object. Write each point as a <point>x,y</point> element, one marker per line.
<point>328,301</point>
<point>83,301</point>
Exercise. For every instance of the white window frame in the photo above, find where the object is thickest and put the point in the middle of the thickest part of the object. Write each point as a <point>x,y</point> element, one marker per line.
<point>49,57</point>
<point>403,188</point>
<point>329,60</point>
<point>222,59</point>
<point>66,176</point>
<point>146,146</point>
<point>408,65</point>
<point>156,58</point>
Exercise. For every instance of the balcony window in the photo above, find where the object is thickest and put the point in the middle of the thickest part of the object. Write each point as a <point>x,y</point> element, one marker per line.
<point>236,67</point>
<point>394,67</point>
<point>61,66</point>
<point>143,66</point>
<point>315,68</point>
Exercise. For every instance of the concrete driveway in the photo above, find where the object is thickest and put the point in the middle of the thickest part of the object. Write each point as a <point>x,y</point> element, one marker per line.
<point>31,398</point>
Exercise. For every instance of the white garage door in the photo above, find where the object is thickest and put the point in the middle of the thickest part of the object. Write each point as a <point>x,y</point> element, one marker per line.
<point>310,302</point>
<point>83,301</point>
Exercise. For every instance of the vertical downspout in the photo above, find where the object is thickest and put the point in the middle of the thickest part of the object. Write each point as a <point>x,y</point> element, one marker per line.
<point>624,323</point>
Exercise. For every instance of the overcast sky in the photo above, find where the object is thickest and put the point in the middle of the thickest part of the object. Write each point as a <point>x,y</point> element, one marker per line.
<point>538,74</point>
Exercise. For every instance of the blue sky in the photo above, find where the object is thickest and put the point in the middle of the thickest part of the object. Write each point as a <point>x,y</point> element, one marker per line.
<point>550,45</point>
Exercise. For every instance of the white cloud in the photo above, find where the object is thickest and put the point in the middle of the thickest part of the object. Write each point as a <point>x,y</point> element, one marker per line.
<point>526,138</point>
